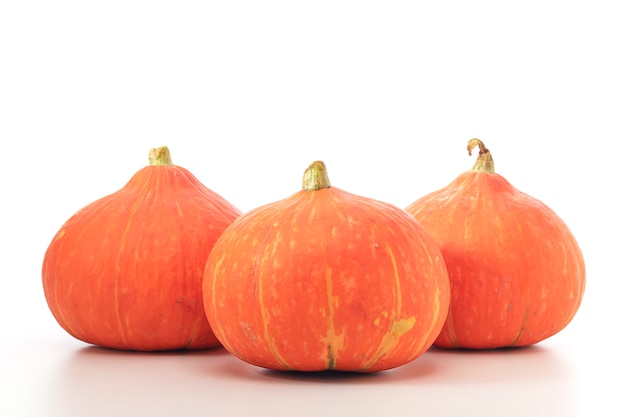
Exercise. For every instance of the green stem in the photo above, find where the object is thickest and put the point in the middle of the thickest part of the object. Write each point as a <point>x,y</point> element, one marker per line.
<point>484,161</point>
<point>160,156</point>
<point>315,177</point>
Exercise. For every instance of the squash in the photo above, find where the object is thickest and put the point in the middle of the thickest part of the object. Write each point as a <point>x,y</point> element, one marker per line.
<point>517,274</point>
<point>325,280</point>
<point>125,272</point>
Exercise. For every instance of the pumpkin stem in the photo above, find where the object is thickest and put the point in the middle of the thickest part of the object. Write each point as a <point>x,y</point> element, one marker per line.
<point>160,156</point>
<point>484,161</point>
<point>315,177</point>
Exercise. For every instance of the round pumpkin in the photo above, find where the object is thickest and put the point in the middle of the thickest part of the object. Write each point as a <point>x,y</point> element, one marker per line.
<point>125,271</point>
<point>517,274</point>
<point>326,280</point>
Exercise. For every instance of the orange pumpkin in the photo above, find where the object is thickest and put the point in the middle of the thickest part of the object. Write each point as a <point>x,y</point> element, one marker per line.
<point>125,271</point>
<point>326,280</point>
<point>517,274</point>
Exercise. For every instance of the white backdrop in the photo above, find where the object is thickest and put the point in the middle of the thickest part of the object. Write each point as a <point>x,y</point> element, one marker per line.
<point>247,93</point>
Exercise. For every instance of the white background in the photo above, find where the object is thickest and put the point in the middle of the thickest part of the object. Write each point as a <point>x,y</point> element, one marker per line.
<point>246,94</point>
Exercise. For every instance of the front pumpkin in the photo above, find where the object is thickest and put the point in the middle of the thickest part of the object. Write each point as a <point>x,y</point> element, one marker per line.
<point>326,280</point>
<point>517,274</point>
<point>125,272</point>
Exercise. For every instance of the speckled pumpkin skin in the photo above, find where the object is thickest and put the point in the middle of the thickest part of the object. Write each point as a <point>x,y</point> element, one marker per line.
<point>517,274</point>
<point>326,280</point>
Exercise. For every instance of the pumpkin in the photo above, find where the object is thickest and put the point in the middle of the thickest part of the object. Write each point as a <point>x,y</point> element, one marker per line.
<point>325,280</point>
<point>125,272</point>
<point>517,274</point>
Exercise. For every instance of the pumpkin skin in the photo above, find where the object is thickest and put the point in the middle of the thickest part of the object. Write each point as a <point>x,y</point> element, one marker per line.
<point>326,280</point>
<point>125,272</point>
<point>517,274</point>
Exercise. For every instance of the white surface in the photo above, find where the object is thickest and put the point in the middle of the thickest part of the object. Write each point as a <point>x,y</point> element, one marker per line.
<point>246,95</point>
<point>65,379</point>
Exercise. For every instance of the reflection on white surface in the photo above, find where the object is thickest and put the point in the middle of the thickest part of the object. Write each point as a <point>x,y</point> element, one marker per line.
<point>519,382</point>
